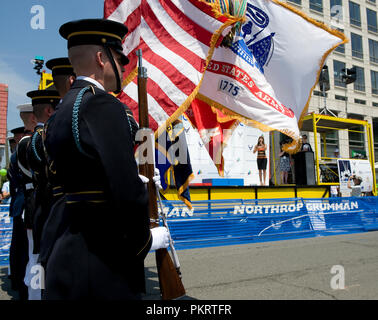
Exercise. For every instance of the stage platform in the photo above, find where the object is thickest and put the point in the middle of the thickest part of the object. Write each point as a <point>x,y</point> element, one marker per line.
<point>198,193</point>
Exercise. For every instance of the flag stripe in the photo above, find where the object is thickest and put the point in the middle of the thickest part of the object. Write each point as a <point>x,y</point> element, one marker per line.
<point>132,41</point>
<point>172,44</point>
<point>133,105</point>
<point>172,71</point>
<point>123,10</point>
<point>110,7</point>
<point>204,8</point>
<point>161,98</point>
<point>133,21</point>
<point>174,38</point>
<point>186,24</point>
<point>169,87</point>
<point>156,114</point>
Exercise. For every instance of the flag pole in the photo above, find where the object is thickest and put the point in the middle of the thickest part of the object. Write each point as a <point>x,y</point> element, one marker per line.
<point>171,286</point>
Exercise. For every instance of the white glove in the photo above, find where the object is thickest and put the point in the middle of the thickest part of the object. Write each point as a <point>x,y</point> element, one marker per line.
<point>156,179</point>
<point>160,238</point>
<point>144,178</point>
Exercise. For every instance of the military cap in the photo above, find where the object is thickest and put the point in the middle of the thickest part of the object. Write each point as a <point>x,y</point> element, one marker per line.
<point>95,31</point>
<point>27,107</point>
<point>44,96</point>
<point>60,66</point>
<point>18,130</point>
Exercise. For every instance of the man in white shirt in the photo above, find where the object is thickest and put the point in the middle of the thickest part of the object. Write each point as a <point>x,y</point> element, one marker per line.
<point>356,188</point>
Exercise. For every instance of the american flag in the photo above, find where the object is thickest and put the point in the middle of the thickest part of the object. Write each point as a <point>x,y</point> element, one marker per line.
<point>176,50</point>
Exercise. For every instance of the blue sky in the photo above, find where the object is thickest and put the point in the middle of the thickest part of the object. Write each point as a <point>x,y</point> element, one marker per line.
<point>20,42</point>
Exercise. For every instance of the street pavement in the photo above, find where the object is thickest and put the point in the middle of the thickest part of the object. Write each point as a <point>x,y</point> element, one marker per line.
<point>306,269</point>
<point>339,267</point>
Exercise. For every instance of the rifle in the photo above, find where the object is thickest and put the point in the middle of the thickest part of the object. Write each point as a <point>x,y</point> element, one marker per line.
<point>171,286</point>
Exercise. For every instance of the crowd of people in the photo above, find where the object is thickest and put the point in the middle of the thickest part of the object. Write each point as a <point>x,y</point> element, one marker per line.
<point>59,206</point>
<point>286,161</point>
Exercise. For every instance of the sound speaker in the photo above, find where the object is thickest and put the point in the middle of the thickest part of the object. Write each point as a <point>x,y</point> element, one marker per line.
<point>304,168</point>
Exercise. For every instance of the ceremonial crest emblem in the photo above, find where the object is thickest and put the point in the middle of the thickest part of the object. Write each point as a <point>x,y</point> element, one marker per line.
<point>262,47</point>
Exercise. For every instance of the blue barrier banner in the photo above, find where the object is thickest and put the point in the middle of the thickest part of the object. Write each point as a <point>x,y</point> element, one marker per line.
<point>5,234</point>
<point>226,222</point>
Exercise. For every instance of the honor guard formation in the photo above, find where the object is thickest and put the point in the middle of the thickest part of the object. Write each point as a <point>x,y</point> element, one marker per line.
<point>81,228</point>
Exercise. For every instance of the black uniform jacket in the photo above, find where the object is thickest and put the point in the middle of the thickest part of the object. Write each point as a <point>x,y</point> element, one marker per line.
<point>100,254</point>
<point>27,181</point>
<point>42,189</point>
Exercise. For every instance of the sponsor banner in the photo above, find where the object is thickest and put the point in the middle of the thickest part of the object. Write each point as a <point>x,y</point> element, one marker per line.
<point>5,234</point>
<point>229,222</point>
<point>225,222</point>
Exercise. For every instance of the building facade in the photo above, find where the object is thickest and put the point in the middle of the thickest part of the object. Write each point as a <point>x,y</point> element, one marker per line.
<point>357,19</point>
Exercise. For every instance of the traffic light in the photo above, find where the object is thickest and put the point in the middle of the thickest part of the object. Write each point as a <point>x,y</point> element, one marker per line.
<point>349,75</point>
<point>324,79</point>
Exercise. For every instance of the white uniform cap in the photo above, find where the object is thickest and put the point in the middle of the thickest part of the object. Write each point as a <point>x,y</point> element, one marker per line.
<point>25,107</point>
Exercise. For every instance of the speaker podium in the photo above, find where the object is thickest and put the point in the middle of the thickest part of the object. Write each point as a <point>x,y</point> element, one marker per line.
<point>304,168</point>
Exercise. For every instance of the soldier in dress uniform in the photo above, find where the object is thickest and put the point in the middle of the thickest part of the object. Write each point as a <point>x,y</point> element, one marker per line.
<point>89,141</point>
<point>63,76</point>
<point>27,117</point>
<point>28,186</point>
<point>62,73</point>
<point>18,253</point>
<point>54,223</point>
<point>44,103</point>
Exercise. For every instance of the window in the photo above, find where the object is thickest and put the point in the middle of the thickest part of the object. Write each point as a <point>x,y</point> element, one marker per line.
<point>357,51</point>
<point>299,2</point>
<point>319,93</point>
<point>354,14</point>
<point>343,98</point>
<point>373,50</point>
<point>337,66</point>
<point>340,48</point>
<point>332,140</point>
<point>356,136</point>
<point>359,101</point>
<point>371,20</point>
<point>374,81</point>
<point>375,137</point>
<point>316,5</point>
<point>359,84</point>
<point>375,104</point>
<point>336,9</point>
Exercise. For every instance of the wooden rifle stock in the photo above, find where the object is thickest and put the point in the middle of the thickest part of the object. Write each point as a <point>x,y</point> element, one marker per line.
<point>171,286</point>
